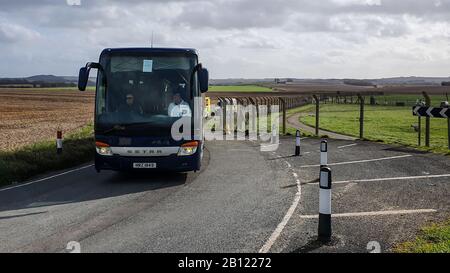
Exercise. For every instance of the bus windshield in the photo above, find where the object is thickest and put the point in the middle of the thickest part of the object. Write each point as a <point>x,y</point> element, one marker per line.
<point>153,89</point>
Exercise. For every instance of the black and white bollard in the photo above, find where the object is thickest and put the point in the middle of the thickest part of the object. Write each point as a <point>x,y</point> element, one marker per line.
<point>297,143</point>
<point>59,144</point>
<point>323,153</point>
<point>324,233</point>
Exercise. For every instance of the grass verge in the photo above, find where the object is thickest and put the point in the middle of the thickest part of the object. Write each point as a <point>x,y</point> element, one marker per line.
<point>26,162</point>
<point>388,124</point>
<point>431,239</point>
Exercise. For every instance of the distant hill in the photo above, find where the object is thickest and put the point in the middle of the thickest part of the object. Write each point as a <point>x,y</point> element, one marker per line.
<point>357,82</point>
<point>395,81</point>
<point>64,81</point>
<point>47,78</point>
<point>42,81</point>
<point>411,81</point>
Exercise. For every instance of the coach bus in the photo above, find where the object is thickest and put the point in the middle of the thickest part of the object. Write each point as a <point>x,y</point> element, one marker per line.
<point>140,94</point>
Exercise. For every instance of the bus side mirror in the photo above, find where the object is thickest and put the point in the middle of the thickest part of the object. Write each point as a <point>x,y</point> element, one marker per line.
<point>83,76</point>
<point>203,79</point>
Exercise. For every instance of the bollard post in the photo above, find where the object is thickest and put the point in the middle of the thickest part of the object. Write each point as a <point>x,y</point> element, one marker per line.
<point>324,230</point>
<point>297,143</point>
<point>59,144</point>
<point>323,153</point>
<point>274,134</point>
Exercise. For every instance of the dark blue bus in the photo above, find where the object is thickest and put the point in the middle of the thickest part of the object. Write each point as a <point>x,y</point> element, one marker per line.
<point>140,94</point>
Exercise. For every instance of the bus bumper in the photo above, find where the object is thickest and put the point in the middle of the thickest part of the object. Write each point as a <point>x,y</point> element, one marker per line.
<point>163,163</point>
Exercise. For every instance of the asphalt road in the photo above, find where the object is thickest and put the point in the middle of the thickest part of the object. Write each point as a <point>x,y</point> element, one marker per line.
<point>294,121</point>
<point>243,200</point>
<point>232,205</point>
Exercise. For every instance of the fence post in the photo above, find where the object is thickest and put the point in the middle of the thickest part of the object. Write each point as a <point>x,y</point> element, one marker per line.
<point>283,106</point>
<point>317,114</point>
<point>224,112</point>
<point>448,133</point>
<point>420,130</point>
<point>361,116</point>
<point>427,120</point>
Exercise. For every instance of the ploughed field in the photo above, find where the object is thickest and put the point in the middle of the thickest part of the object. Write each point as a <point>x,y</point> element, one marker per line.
<point>387,90</point>
<point>31,115</point>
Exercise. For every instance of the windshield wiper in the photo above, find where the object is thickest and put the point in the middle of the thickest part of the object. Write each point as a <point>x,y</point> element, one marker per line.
<point>124,127</point>
<point>117,127</point>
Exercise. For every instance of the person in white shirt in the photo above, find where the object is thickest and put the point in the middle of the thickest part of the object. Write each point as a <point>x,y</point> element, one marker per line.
<point>179,108</point>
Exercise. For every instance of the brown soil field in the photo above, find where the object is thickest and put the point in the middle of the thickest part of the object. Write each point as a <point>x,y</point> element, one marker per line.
<point>387,90</point>
<point>28,116</point>
<point>307,90</point>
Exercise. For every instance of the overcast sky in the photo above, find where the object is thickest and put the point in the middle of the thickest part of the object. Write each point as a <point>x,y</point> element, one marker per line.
<point>235,38</point>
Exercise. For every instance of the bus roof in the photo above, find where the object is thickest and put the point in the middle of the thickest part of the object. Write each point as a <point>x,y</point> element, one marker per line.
<point>151,50</point>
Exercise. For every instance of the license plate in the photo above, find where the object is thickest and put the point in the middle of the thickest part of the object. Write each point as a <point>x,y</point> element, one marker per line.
<point>144,165</point>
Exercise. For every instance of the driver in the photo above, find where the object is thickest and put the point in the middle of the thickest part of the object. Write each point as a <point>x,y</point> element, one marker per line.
<point>179,108</point>
<point>131,105</point>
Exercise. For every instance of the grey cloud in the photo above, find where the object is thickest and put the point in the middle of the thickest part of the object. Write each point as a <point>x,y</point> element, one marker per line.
<point>12,33</point>
<point>341,30</point>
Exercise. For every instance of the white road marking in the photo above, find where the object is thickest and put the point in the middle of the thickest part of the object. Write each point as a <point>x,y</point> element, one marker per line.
<point>268,147</point>
<point>372,213</point>
<point>349,145</point>
<point>393,178</point>
<point>276,233</point>
<point>386,179</point>
<point>47,178</point>
<point>358,161</point>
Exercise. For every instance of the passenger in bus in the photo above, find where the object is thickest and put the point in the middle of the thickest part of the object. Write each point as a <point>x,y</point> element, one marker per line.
<point>131,106</point>
<point>179,108</point>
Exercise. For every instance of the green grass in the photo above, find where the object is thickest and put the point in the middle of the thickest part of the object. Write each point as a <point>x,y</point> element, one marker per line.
<point>22,164</point>
<point>238,88</point>
<point>409,100</point>
<point>389,124</point>
<point>431,239</point>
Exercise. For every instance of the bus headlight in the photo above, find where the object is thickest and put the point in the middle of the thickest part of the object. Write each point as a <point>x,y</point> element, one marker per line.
<point>188,148</point>
<point>103,148</point>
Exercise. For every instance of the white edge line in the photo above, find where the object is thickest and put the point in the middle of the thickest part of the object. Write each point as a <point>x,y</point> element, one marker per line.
<point>386,179</point>
<point>393,178</point>
<point>358,161</point>
<point>372,213</point>
<point>46,178</point>
<point>276,233</point>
